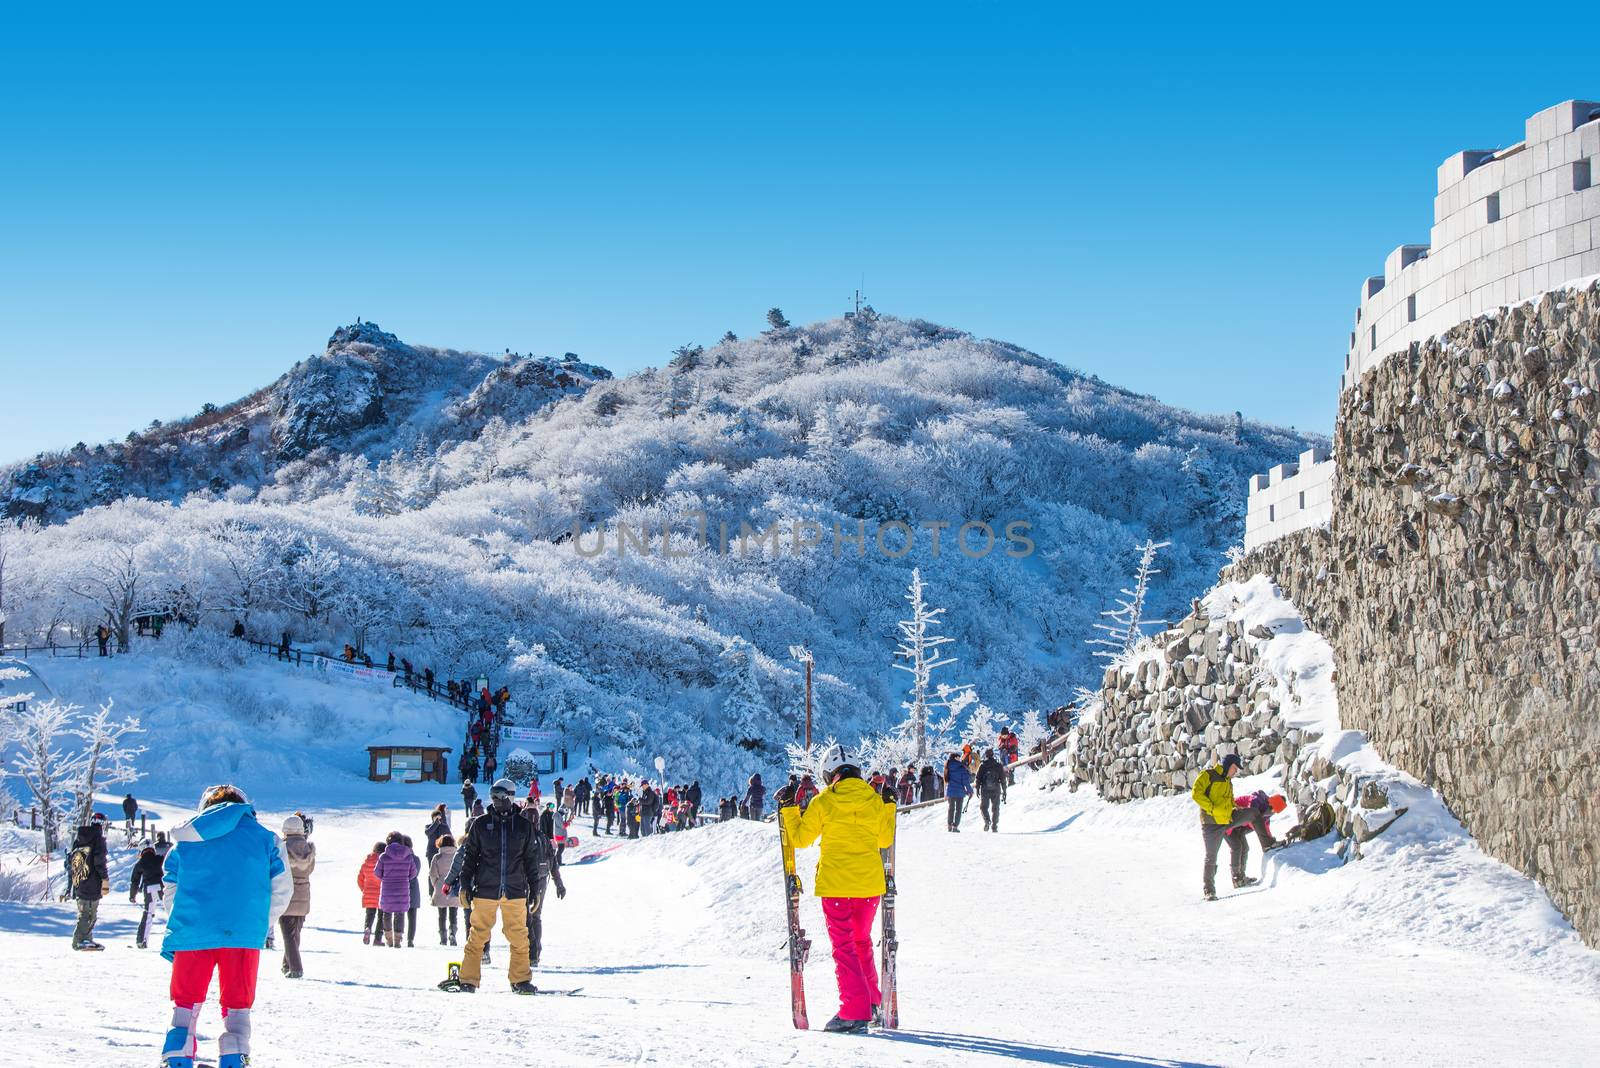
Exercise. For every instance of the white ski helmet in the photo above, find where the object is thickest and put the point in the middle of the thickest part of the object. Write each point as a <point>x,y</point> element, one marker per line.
<point>503,786</point>
<point>833,758</point>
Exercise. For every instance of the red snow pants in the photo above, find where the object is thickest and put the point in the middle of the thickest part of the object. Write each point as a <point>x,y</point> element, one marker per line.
<point>236,976</point>
<point>850,931</point>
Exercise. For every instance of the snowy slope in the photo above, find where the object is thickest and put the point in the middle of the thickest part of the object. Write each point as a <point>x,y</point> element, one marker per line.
<point>1075,937</point>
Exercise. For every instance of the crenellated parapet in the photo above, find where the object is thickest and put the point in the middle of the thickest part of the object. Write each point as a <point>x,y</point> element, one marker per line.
<point>1508,224</point>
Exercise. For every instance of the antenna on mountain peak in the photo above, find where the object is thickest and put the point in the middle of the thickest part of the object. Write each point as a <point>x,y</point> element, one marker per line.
<point>859,301</point>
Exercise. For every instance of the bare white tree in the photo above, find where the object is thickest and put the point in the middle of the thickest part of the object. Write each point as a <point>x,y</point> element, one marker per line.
<point>248,564</point>
<point>920,646</point>
<point>311,581</point>
<point>1126,628</point>
<point>107,758</point>
<point>36,734</point>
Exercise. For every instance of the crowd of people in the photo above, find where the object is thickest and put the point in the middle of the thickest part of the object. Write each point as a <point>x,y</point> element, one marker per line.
<point>635,809</point>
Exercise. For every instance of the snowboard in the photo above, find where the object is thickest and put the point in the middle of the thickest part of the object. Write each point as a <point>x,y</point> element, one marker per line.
<point>888,947</point>
<point>452,983</point>
<point>799,944</point>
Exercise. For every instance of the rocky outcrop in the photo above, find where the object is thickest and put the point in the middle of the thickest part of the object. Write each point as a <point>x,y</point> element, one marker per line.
<point>516,390</point>
<point>1459,581</point>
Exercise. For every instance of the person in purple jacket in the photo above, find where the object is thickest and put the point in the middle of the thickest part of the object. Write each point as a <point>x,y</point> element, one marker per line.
<point>395,870</point>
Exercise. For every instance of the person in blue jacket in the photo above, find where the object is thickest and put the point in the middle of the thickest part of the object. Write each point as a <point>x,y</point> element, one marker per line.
<point>227,885</point>
<point>957,787</point>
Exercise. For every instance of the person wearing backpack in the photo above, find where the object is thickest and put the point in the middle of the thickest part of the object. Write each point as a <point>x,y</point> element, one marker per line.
<point>146,880</point>
<point>88,880</point>
<point>229,885</point>
<point>547,867</point>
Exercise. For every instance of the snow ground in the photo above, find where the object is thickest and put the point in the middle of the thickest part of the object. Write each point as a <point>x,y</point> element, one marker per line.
<point>1075,937</point>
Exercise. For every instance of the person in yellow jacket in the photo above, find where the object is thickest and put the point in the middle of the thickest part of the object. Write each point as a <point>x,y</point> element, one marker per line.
<point>854,823</point>
<point>1213,792</point>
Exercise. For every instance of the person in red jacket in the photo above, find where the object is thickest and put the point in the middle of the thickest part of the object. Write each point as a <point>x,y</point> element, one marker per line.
<point>369,892</point>
<point>1268,807</point>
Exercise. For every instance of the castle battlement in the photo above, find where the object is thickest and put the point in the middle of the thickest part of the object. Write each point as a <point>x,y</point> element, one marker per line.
<point>1508,224</point>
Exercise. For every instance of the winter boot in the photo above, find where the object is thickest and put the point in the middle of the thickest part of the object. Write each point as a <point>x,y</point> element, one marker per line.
<point>1243,881</point>
<point>452,937</point>
<point>877,1015</point>
<point>1210,895</point>
<point>845,1027</point>
<point>233,1045</point>
<point>177,1051</point>
<point>524,987</point>
<point>366,938</point>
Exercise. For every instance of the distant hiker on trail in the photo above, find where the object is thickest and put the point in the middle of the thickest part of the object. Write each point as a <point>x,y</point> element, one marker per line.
<point>930,786</point>
<point>580,795</point>
<point>130,809</point>
<point>301,857</point>
<point>389,667</point>
<point>146,881</point>
<point>906,792</point>
<point>1213,792</point>
<point>102,635</point>
<point>609,803</point>
<point>755,796</point>
<point>448,904</point>
<point>694,795</point>
<point>230,885</point>
<point>394,870</point>
<point>499,869</point>
<point>368,882</point>
<point>88,880</point>
<point>283,646</point>
<point>957,788</point>
<point>805,792</point>
<point>489,766</point>
<point>852,821</point>
<point>427,679</point>
<point>991,790</point>
<point>469,794</point>
<point>238,629</point>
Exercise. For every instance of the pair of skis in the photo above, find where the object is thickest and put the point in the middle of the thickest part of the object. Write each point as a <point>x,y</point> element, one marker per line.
<point>800,945</point>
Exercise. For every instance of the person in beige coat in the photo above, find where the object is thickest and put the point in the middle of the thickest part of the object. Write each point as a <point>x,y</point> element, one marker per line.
<point>301,857</point>
<point>438,873</point>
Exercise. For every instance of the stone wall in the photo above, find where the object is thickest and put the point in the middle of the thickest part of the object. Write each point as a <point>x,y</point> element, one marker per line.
<point>1460,581</point>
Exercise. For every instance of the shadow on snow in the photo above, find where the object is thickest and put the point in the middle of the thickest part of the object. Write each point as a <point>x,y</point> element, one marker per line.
<point>1023,1051</point>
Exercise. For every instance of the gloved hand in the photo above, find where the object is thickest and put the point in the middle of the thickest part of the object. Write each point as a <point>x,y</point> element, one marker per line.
<point>561,892</point>
<point>784,797</point>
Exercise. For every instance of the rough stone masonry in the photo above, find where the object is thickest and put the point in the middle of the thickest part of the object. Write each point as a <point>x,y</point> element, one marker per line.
<point>1458,587</point>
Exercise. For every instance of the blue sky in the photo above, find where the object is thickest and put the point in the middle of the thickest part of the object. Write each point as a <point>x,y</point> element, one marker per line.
<point>191,199</point>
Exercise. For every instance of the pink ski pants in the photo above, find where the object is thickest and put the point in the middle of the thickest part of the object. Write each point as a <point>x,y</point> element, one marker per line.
<point>850,931</point>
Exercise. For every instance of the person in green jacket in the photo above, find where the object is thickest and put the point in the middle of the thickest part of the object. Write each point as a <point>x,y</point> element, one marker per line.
<point>1213,792</point>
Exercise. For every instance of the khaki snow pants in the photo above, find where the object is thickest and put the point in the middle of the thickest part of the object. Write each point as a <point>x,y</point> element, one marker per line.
<point>513,914</point>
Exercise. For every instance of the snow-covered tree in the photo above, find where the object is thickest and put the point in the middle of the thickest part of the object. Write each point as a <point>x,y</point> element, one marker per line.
<point>746,712</point>
<point>106,759</point>
<point>38,761</point>
<point>1127,620</point>
<point>248,566</point>
<point>1031,731</point>
<point>775,319</point>
<point>981,730</point>
<point>309,579</point>
<point>920,647</point>
<point>686,358</point>
<point>112,581</point>
<point>10,700</point>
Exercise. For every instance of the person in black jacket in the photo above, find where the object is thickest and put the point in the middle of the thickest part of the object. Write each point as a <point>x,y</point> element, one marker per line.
<point>991,789</point>
<point>928,784</point>
<point>147,881</point>
<point>438,827</point>
<point>549,868</point>
<point>88,880</point>
<point>499,871</point>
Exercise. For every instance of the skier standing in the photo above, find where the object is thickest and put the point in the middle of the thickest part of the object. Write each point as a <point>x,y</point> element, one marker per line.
<point>88,880</point>
<point>991,790</point>
<point>853,822</point>
<point>957,787</point>
<point>230,884</point>
<point>499,866</point>
<point>147,881</point>
<point>301,856</point>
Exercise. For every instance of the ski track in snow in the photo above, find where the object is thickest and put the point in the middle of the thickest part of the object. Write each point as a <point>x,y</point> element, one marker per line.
<point>1076,937</point>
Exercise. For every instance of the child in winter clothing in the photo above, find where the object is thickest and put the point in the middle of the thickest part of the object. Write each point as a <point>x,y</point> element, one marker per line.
<point>854,824</point>
<point>229,884</point>
<point>368,883</point>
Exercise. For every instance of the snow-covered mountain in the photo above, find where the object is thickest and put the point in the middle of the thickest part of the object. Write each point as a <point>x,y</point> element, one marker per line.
<point>368,393</point>
<point>426,503</point>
